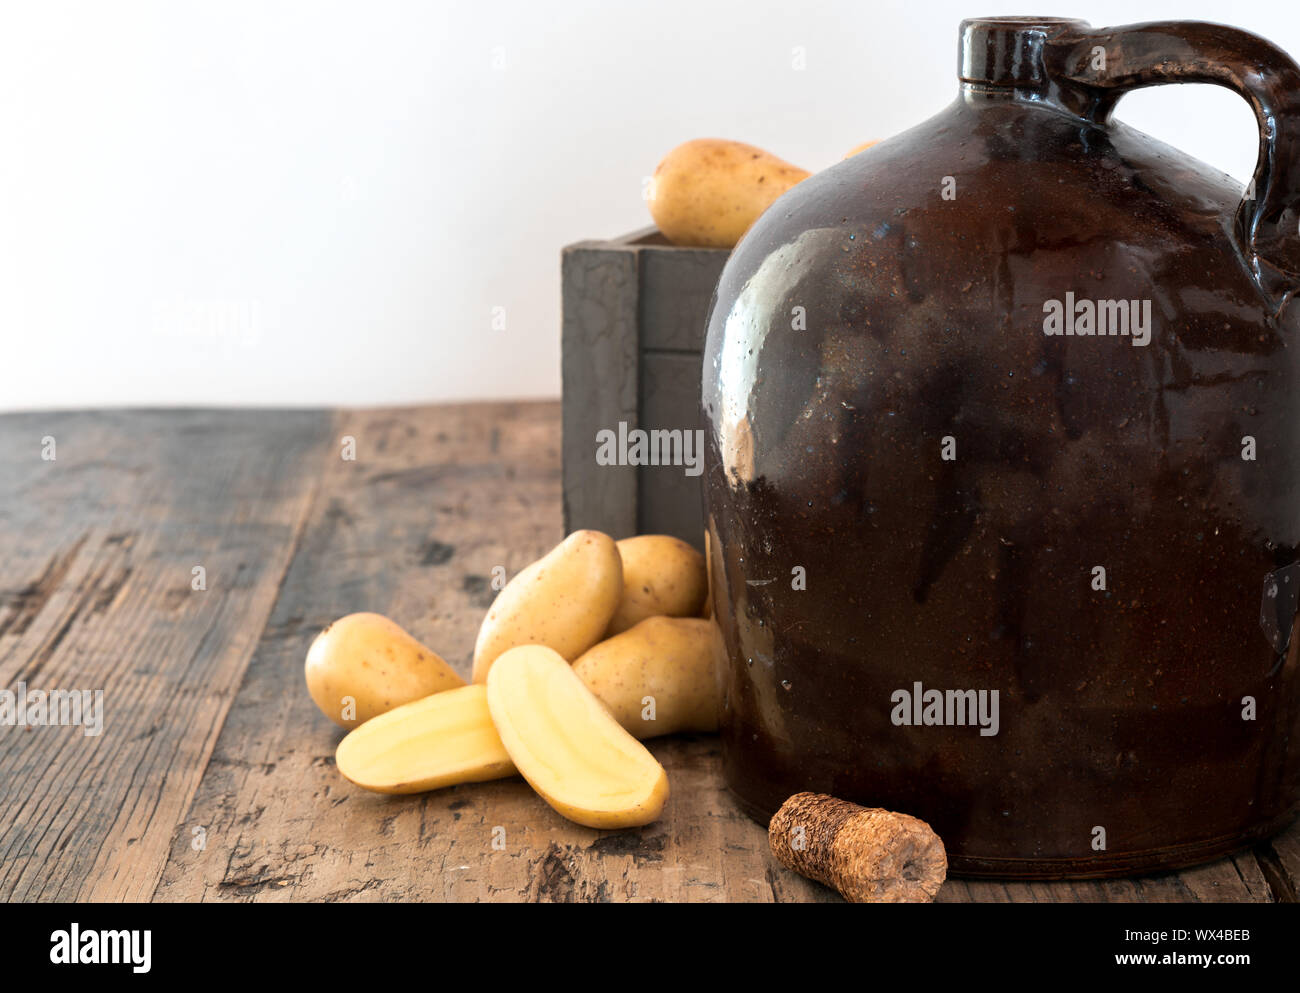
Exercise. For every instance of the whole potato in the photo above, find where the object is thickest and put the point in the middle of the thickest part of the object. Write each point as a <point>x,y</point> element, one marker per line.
<point>369,660</point>
<point>661,575</point>
<point>657,678</point>
<point>563,601</point>
<point>708,192</point>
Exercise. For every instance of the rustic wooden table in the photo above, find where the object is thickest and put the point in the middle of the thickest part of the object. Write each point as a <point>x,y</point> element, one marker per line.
<point>214,776</point>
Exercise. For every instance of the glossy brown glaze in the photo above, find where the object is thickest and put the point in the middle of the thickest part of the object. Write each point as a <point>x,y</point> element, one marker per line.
<point>894,305</point>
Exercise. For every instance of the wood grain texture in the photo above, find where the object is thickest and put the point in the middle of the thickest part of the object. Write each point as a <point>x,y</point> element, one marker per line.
<point>436,500</point>
<point>209,725</point>
<point>635,316</point>
<point>1238,879</point>
<point>672,500</point>
<point>599,372</point>
<point>97,548</point>
<point>1279,860</point>
<point>677,288</point>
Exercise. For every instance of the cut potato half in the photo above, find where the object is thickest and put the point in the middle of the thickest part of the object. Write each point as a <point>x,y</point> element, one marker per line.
<point>438,741</point>
<point>568,746</point>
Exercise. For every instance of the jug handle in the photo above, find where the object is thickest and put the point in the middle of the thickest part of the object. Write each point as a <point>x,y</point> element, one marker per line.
<point>1267,226</point>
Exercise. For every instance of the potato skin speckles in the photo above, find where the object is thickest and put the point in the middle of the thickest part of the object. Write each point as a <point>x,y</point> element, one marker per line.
<point>340,666</point>
<point>563,601</point>
<point>662,575</point>
<point>708,192</point>
<point>671,661</point>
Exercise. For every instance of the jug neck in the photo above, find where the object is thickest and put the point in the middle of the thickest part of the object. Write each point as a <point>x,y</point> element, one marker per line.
<point>1002,58</point>
<point>1067,66</point>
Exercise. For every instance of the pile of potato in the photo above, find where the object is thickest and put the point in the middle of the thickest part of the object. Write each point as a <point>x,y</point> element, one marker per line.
<point>707,192</point>
<point>588,650</point>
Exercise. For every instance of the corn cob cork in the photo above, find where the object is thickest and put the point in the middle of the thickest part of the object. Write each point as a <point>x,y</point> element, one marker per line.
<point>869,855</point>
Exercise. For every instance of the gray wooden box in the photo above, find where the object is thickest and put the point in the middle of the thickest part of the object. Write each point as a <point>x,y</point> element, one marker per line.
<point>635,310</point>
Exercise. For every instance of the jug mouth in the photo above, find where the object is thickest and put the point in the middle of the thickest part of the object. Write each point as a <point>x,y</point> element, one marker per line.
<point>1008,51</point>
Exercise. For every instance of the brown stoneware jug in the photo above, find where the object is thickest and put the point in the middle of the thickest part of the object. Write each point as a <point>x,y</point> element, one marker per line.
<point>1003,467</point>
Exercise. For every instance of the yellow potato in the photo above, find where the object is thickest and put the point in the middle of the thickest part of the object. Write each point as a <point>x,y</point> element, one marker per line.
<point>708,192</point>
<point>563,601</point>
<point>861,148</point>
<point>566,744</point>
<point>364,665</point>
<point>442,740</point>
<point>661,575</point>
<point>656,678</point>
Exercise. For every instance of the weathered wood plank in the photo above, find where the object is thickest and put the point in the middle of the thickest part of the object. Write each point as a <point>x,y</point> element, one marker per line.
<point>97,549</point>
<point>599,370</point>
<point>672,499</point>
<point>414,528</point>
<point>1237,879</point>
<point>1279,859</point>
<point>635,315</point>
<point>678,285</point>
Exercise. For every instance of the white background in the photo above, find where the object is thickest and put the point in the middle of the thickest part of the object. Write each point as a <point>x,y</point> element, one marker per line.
<point>320,203</point>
